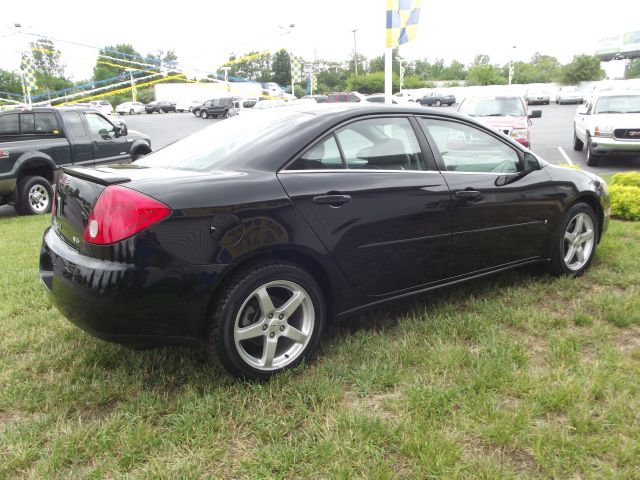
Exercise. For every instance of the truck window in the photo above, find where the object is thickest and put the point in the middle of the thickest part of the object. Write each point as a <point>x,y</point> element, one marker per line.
<point>9,125</point>
<point>46,123</point>
<point>97,123</point>
<point>75,124</point>
<point>27,123</point>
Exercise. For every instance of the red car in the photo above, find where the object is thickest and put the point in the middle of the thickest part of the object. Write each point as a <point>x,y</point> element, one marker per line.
<point>507,114</point>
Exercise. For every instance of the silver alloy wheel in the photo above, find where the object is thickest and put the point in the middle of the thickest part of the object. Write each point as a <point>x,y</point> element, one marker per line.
<point>578,241</point>
<point>274,325</point>
<point>39,198</point>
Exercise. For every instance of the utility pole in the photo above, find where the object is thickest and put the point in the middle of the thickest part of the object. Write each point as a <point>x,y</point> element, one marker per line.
<point>133,86</point>
<point>355,53</point>
<point>511,66</point>
<point>226,76</point>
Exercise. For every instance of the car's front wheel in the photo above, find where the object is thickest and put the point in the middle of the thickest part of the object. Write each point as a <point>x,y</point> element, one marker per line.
<point>577,143</point>
<point>593,159</point>
<point>204,114</point>
<point>575,241</point>
<point>267,319</point>
<point>35,196</point>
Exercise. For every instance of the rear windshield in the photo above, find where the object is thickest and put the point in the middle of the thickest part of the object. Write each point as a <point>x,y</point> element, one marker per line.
<point>493,107</point>
<point>209,149</point>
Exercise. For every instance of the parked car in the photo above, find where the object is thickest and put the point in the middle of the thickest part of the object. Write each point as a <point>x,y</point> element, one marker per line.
<point>340,97</point>
<point>507,114</point>
<point>569,95</point>
<point>219,107</point>
<point>160,106</point>
<point>188,106</point>
<point>35,143</point>
<point>132,108</point>
<point>537,97</point>
<point>609,125</point>
<point>405,97</point>
<point>276,102</point>
<point>317,98</point>
<point>379,98</point>
<point>272,90</point>
<point>437,99</point>
<point>248,235</point>
<point>103,106</point>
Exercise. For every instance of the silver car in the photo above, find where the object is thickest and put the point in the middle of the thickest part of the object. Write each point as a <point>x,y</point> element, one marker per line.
<point>569,95</point>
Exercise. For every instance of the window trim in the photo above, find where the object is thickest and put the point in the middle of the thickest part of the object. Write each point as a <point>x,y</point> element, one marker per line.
<point>436,152</point>
<point>427,154</point>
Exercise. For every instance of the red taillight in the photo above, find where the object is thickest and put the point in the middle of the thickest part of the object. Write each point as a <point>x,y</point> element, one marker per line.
<point>121,212</point>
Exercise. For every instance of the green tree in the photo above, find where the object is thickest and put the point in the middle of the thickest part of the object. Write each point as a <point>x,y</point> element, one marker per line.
<point>10,82</point>
<point>281,68</point>
<point>102,71</point>
<point>455,71</point>
<point>49,70</point>
<point>633,69</point>
<point>332,77</point>
<point>583,68</point>
<point>484,74</point>
<point>371,83</point>
<point>258,68</point>
<point>377,63</point>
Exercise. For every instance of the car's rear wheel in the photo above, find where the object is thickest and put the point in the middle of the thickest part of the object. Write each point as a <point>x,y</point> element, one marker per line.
<point>131,112</point>
<point>204,114</point>
<point>593,159</point>
<point>575,241</point>
<point>438,103</point>
<point>35,196</point>
<point>267,319</point>
<point>577,143</point>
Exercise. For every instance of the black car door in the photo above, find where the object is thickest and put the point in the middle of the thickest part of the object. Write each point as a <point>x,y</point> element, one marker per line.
<point>79,138</point>
<point>376,202</point>
<point>107,146</point>
<point>503,214</point>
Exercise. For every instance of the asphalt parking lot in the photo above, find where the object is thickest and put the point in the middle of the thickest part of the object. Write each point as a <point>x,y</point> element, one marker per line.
<point>551,137</point>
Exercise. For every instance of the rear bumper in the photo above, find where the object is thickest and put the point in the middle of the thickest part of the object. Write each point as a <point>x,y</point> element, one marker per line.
<point>138,306</point>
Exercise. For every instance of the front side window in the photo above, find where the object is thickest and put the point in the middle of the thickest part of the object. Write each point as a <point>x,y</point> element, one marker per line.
<point>381,144</point>
<point>98,125</point>
<point>464,148</point>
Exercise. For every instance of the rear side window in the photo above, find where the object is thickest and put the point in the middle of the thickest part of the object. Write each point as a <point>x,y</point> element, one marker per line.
<point>325,155</point>
<point>27,123</point>
<point>9,125</point>
<point>75,125</point>
<point>46,124</point>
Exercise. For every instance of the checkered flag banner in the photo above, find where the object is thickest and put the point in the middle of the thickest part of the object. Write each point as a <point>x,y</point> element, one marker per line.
<point>28,74</point>
<point>297,75</point>
<point>402,21</point>
<point>314,81</point>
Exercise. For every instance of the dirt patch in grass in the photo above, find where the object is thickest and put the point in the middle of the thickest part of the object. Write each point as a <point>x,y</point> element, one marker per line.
<point>519,460</point>
<point>375,405</point>
<point>627,340</point>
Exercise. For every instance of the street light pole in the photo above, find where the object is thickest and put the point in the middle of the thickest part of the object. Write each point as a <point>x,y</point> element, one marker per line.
<point>355,53</point>
<point>291,25</point>
<point>511,66</point>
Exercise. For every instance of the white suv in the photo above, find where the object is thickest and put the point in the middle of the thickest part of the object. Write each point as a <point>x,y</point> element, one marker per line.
<point>102,106</point>
<point>609,124</point>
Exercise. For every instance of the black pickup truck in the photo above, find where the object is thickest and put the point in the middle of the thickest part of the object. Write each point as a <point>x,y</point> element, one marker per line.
<point>35,143</point>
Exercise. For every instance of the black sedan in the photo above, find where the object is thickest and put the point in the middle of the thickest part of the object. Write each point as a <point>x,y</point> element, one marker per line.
<point>436,99</point>
<point>159,107</point>
<point>251,234</point>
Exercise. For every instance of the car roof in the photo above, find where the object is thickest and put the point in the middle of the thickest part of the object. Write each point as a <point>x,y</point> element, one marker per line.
<point>616,93</point>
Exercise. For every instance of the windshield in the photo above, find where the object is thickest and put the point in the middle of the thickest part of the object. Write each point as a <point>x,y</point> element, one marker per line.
<point>493,107</point>
<point>208,149</point>
<point>618,104</point>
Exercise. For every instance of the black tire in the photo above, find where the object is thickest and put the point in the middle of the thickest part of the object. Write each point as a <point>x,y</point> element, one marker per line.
<point>204,114</point>
<point>120,113</point>
<point>438,103</point>
<point>132,112</point>
<point>138,155</point>
<point>235,299</point>
<point>196,112</point>
<point>593,159</point>
<point>557,266</point>
<point>578,144</point>
<point>28,202</point>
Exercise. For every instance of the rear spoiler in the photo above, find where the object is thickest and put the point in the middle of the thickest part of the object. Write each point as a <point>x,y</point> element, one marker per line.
<point>96,175</point>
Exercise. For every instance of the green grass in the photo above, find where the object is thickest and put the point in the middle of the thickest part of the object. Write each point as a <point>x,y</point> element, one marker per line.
<point>517,376</point>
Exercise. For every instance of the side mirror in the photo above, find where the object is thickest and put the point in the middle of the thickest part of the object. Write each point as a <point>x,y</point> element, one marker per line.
<point>121,129</point>
<point>104,133</point>
<point>531,162</point>
<point>535,114</point>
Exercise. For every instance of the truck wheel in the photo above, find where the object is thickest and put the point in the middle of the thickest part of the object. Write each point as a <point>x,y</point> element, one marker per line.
<point>577,143</point>
<point>593,159</point>
<point>35,196</point>
<point>204,114</point>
